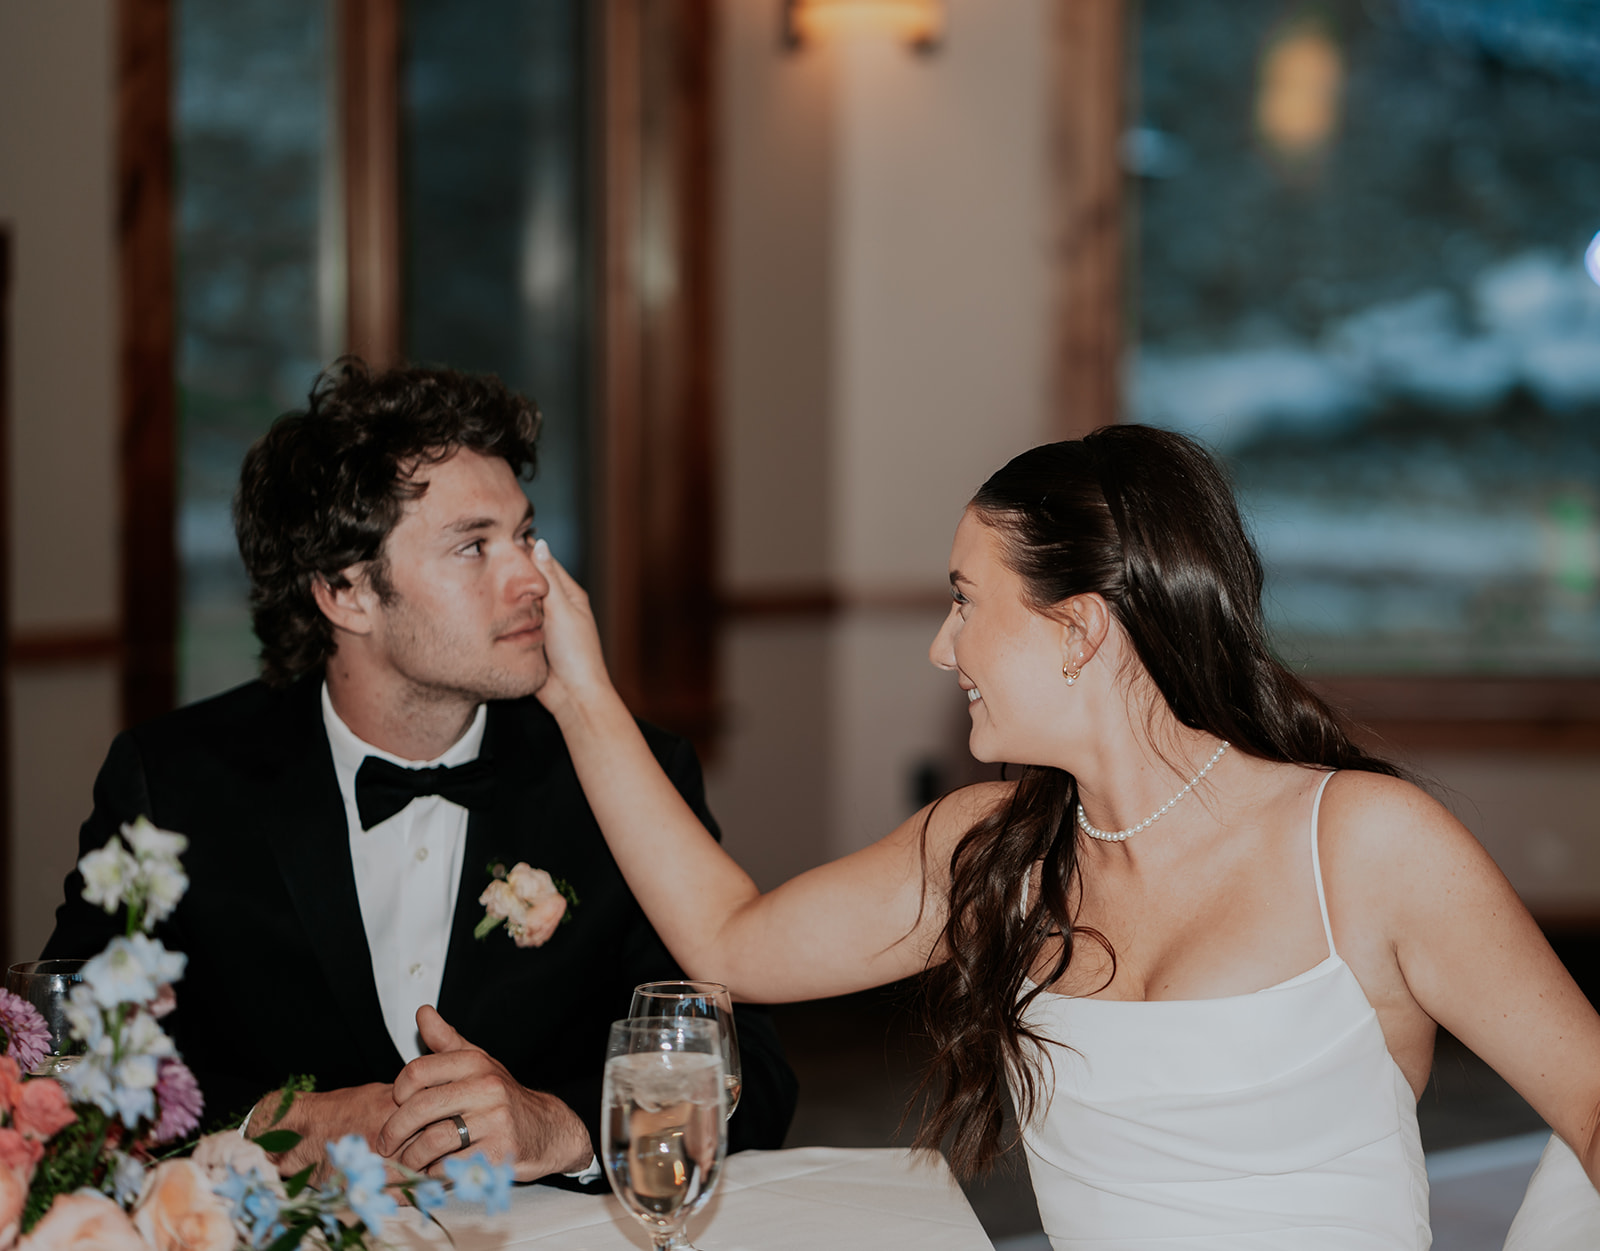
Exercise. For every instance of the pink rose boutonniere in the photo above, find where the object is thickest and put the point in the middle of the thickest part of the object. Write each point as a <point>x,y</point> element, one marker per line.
<point>528,901</point>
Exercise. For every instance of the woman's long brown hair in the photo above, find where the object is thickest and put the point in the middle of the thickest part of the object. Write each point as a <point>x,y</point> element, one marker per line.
<point>1146,519</point>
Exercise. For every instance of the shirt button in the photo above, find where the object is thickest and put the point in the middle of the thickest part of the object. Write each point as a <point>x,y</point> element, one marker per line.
<point>422,854</point>
<point>416,970</point>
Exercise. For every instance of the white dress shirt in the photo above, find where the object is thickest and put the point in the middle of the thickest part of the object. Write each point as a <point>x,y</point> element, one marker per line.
<point>408,870</point>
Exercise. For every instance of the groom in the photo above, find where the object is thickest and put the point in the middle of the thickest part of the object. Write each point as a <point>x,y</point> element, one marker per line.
<point>345,811</point>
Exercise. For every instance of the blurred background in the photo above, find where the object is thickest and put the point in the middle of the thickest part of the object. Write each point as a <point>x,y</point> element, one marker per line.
<point>788,279</point>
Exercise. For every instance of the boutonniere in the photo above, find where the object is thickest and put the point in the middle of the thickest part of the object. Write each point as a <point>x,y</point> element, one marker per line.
<point>528,901</point>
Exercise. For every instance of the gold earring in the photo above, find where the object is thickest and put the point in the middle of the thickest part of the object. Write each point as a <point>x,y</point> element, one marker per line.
<point>1071,675</point>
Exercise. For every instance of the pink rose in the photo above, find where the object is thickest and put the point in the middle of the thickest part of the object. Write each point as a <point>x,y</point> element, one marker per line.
<point>500,900</point>
<point>41,1110</point>
<point>10,1083</point>
<point>538,921</point>
<point>531,885</point>
<point>84,1221</point>
<point>13,1195</point>
<point>19,1154</point>
<point>179,1211</point>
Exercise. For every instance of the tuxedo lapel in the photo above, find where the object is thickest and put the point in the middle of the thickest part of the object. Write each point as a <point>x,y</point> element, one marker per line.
<point>505,830</point>
<point>310,839</point>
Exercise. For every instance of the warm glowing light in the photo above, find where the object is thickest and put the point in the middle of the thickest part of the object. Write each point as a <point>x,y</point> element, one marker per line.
<point>1302,78</point>
<point>919,23</point>
<point>1591,258</point>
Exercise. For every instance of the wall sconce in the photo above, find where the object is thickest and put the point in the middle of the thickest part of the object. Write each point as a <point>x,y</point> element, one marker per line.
<point>1298,99</point>
<point>918,23</point>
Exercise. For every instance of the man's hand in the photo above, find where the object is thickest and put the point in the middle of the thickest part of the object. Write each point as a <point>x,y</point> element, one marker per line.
<point>535,1132</point>
<point>323,1117</point>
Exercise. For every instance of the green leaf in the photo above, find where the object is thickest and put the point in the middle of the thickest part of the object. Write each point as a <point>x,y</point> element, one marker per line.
<point>486,927</point>
<point>565,887</point>
<point>277,1141</point>
<point>299,1181</point>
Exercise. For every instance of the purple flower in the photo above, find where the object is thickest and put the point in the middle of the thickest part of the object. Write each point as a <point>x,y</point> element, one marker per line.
<point>179,1100</point>
<point>27,1037</point>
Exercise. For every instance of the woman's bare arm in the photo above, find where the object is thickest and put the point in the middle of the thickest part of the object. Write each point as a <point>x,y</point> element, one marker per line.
<point>1470,954</point>
<point>861,921</point>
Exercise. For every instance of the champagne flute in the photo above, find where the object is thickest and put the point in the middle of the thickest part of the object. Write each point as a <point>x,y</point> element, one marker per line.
<point>710,1000</point>
<point>663,1134</point>
<point>46,984</point>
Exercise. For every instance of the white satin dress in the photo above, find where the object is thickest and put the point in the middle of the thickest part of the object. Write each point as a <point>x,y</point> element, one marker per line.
<point>1273,1121</point>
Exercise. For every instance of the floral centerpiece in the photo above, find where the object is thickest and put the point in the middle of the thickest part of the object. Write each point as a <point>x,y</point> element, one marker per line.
<point>97,1157</point>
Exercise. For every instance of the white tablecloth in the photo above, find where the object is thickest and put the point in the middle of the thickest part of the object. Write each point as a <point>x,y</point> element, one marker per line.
<point>816,1197</point>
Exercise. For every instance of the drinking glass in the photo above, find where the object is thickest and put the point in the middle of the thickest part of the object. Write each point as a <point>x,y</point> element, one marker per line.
<point>46,984</point>
<point>662,1130</point>
<point>709,1000</point>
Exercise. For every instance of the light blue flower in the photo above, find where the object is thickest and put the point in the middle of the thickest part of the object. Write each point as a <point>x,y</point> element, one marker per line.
<point>429,1195</point>
<point>359,1163</point>
<point>374,1205</point>
<point>363,1180</point>
<point>478,1181</point>
<point>261,1215</point>
<point>127,1179</point>
<point>233,1188</point>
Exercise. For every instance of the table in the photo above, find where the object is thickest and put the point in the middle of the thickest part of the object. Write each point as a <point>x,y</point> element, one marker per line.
<point>814,1197</point>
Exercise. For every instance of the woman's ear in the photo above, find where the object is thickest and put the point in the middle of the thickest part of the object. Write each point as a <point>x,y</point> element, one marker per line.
<point>347,601</point>
<point>1085,622</point>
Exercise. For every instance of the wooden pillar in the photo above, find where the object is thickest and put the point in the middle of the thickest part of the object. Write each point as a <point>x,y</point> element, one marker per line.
<point>656,386</point>
<point>148,390</point>
<point>370,61</point>
<point>5,588</point>
<point>1088,87</point>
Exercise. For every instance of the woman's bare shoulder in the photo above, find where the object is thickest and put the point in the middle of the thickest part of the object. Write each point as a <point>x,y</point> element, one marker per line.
<point>1398,839</point>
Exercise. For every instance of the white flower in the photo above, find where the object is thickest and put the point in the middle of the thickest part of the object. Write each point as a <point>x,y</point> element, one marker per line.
<point>89,1080</point>
<point>164,883</point>
<point>84,1018</point>
<point>131,970</point>
<point>123,1087</point>
<point>108,875</point>
<point>152,844</point>
<point>133,1089</point>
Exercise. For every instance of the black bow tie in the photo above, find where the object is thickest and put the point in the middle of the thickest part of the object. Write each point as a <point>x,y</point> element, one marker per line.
<point>383,789</point>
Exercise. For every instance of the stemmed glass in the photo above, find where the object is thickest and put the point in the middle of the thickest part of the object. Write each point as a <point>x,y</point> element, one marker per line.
<point>46,984</point>
<point>709,1000</point>
<point>663,1133</point>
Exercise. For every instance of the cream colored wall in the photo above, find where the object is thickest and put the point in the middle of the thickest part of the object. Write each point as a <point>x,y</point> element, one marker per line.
<point>884,300</point>
<point>56,163</point>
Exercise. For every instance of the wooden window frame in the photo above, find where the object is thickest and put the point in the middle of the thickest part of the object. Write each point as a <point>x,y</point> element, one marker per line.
<point>653,417</point>
<point>1399,713</point>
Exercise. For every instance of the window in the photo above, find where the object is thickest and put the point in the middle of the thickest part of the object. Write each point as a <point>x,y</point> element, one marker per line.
<point>1360,235</point>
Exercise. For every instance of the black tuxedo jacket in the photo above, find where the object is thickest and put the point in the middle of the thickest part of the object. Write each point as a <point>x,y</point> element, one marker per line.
<point>279,979</point>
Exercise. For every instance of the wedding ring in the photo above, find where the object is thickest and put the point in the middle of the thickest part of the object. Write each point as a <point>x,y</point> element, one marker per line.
<point>461,1128</point>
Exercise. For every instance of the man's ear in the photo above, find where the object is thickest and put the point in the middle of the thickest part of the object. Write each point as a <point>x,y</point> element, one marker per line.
<point>348,604</point>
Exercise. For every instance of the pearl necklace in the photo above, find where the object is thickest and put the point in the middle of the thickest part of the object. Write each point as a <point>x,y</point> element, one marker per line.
<point>1117,836</point>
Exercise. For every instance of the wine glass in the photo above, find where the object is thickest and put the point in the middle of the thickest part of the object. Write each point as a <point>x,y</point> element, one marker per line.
<point>710,1000</point>
<point>662,1130</point>
<point>46,984</point>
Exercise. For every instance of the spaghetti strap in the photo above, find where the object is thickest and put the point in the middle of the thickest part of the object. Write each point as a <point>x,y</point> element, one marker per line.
<point>1316,862</point>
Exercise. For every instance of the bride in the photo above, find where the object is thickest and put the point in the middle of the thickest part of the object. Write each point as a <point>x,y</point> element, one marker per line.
<point>1203,936</point>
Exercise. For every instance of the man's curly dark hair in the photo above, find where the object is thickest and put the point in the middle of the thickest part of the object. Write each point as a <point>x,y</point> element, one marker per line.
<point>322,489</point>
